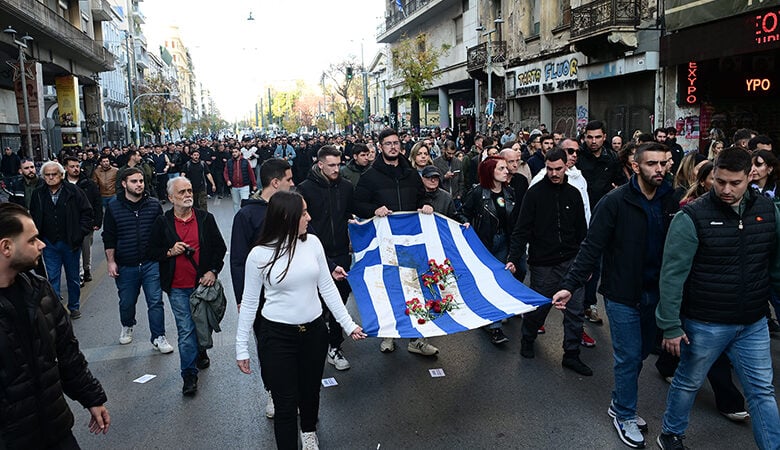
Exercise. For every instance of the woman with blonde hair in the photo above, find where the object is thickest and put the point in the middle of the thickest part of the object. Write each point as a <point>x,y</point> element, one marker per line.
<point>420,156</point>
<point>686,176</point>
<point>715,148</point>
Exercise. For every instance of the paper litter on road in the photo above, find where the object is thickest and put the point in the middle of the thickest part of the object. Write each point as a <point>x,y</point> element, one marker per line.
<point>328,382</point>
<point>144,378</point>
<point>435,373</point>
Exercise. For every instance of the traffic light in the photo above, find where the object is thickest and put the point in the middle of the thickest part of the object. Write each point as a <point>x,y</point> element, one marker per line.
<point>349,73</point>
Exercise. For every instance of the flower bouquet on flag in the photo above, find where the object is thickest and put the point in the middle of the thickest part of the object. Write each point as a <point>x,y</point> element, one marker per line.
<point>431,307</point>
<point>402,290</point>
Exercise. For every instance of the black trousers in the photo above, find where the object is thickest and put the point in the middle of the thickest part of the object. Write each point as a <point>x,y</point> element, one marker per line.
<point>161,186</point>
<point>292,358</point>
<point>728,398</point>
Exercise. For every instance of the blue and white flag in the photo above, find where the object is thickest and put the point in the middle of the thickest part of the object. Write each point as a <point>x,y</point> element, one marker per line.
<point>392,252</point>
<point>399,5</point>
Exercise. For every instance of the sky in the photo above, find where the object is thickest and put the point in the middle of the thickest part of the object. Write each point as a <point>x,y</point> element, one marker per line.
<point>237,59</point>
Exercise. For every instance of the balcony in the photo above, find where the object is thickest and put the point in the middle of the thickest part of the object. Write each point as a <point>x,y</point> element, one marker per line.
<point>415,13</point>
<point>101,10</point>
<point>55,34</point>
<point>603,17</point>
<point>477,56</point>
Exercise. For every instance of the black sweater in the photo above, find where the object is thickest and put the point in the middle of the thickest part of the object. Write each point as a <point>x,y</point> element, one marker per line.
<point>552,221</point>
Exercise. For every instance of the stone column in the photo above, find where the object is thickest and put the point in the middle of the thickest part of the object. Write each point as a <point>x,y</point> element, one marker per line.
<point>444,108</point>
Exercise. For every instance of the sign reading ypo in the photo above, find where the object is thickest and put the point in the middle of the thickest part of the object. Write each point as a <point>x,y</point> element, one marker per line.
<point>556,75</point>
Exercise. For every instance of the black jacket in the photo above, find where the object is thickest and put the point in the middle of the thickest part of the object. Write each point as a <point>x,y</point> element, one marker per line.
<point>600,173</point>
<point>479,210</point>
<point>212,246</point>
<point>127,227</point>
<point>398,188</point>
<point>76,207</point>
<point>40,364</point>
<point>92,192</point>
<point>330,207</point>
<point>246,227</point>
<point>618,233</point>
<point>552,220</point>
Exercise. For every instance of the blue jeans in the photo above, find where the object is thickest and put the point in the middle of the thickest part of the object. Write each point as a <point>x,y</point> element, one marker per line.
<point>188,338</point>
<point>633,331</point>
<point>57,255</point>
<point>747,346</point>
<point>106,200</point>
<point>238,194</point>
<point>129,283</point>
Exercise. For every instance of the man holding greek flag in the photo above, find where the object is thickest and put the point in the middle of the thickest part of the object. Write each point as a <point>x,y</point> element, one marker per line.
<point>391,184</point>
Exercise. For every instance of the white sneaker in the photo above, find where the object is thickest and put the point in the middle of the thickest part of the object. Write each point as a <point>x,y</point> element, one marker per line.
<point>387,345</point>
<point>162,345</point>
<point>740,416</point>
<point>337,359</point>
<point>421,347</point>
<point>126,336</point>
<point>309,441</point>
<point>270,411</point>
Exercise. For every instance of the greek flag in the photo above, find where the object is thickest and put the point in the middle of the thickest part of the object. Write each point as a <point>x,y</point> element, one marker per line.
<point>399,5</point>
<point>392,252</point>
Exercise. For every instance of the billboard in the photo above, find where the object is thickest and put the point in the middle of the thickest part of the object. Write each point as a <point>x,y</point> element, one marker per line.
<point>686,13</point>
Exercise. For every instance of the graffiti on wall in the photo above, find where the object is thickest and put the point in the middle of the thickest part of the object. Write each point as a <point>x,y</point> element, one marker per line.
<point>582,117</point>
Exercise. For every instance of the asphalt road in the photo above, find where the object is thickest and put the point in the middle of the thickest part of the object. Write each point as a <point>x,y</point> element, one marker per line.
<point>489,398</point>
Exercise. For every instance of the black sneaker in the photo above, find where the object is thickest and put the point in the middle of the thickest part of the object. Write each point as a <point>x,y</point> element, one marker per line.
<point>75,314</point>
<point>82,283</point>
<point>527,349</point>
<point>87,276</point>
<point>574,363</point>
<point>498,337</point>
<point>669,441</point>
<point>203,361</point>
<point>190,385</point>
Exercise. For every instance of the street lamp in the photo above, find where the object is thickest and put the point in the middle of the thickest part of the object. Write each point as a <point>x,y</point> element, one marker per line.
<point>23,75</point>
<point>497,22</point>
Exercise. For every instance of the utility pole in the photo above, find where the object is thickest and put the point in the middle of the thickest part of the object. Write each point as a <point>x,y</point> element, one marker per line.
<point>270,103</point>
<point>23,79</point>
<point>366,105</point>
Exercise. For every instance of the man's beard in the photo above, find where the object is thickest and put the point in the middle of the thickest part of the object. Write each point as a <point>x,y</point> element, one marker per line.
<point>20,265</point>
<point>392,158</point>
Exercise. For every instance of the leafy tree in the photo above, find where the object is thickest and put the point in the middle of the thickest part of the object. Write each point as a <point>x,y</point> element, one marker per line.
<point>158,112</point>
<point>337,83</point>
<point>415,63</point>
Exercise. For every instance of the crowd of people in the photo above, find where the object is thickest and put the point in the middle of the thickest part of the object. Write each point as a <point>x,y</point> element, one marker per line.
<point>652,228</point>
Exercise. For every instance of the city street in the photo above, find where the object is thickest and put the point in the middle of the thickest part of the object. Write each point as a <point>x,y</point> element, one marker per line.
<point>489,398</point>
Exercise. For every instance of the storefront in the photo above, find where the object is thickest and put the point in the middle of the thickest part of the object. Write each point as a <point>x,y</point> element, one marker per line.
<point>726,84</point>
<point>545,92</point>
<point>621,93</point>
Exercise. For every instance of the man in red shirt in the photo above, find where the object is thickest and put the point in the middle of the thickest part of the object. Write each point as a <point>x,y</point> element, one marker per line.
<point>239,177</point>
<point>191,250</point>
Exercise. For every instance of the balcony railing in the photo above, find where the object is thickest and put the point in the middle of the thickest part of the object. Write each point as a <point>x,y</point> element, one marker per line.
<point>60,34</point>
<point>396,16</point>
<point>477,56</point>
<point>602,15</point>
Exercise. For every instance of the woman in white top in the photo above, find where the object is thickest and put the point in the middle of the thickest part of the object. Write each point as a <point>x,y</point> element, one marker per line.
<point>293,338</point>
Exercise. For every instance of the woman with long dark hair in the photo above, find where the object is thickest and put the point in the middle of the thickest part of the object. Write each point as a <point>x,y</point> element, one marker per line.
<point>289,266</point>
<point>490,209</point>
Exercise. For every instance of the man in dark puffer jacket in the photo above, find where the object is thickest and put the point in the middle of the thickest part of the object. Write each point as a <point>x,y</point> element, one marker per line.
<point>40,360</point>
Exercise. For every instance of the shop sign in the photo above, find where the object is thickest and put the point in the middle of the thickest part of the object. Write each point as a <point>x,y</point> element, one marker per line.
<point>686,13</point>
<point>688,84</point>
<point>767,27</point>
<point>549,77</point>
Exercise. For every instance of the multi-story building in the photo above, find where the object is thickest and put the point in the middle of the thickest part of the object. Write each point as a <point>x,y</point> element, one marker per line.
<point>66,50</point>
<point>116,102</point>
<point>720,64</point>
<point>450,22</point>
<point>188,94</point>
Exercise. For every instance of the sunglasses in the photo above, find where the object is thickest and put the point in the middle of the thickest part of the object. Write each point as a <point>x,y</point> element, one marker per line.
<point>571,151</point>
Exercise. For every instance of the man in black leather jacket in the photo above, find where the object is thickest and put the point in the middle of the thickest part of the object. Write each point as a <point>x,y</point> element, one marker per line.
<point>40,360</point>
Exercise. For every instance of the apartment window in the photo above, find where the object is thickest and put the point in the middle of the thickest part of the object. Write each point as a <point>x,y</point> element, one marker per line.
<point>535,15</point>
<point>564,12</point>
<point>458,30</point>
<point>464,5</point>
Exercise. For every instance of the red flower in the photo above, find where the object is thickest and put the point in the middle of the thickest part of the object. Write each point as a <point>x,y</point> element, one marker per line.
<point>407,311</point>
<point>437,308</point>
<point>431,262</point>
<point>421,321</point>
<point>449,297</point>
<point>441,286</point>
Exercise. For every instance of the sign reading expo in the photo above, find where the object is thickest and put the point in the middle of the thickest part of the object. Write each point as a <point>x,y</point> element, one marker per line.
<point>767,27</point>
<point>551,76</point>
<point>689,84</point>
